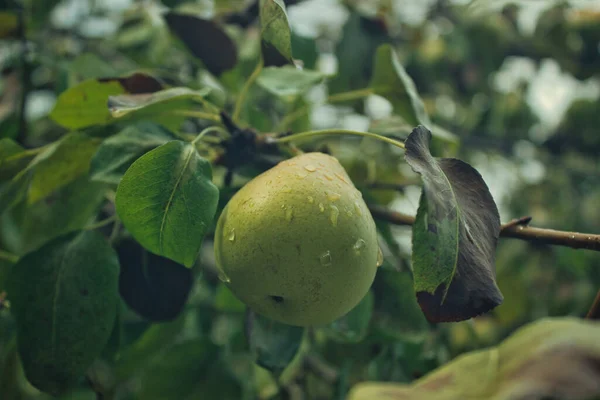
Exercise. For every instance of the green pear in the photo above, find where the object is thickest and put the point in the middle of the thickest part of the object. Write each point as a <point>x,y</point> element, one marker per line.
<point>297,243</point>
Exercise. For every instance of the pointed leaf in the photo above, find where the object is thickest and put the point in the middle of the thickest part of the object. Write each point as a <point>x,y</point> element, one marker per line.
<point>555,358</point>
<point>167,201</point>
<point>391,81</point>
<point>354,326</point>
<point>206,40</point>
<point>276,36</point>
<point>454,236</point>
<point>119,151</point>
<point>154,287</point>
<point>64,298</point>
<point>273,344</point>
<point>288,80</point>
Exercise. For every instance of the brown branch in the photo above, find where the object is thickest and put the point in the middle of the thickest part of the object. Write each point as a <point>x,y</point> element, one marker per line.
<point>516,229</point>
<point>594,312</point>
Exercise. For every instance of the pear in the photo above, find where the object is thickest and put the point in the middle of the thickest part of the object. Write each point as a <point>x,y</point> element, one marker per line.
<point>297,243</point>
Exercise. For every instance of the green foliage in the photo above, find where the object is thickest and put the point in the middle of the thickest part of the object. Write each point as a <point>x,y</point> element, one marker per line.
<point>64,299</point>
<point>167,201</point>
<point>108,282</point>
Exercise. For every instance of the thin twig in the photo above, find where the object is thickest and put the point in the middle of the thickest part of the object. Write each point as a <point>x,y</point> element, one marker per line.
<point>321,369</point>
<point>511,229</point>
<point>594,312</point>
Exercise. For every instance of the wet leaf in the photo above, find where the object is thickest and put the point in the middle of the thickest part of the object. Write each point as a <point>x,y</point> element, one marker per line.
<point>276,36</point>
<point>167,201</point>
<point>64,298</point>
<point>454,236</point>
<point>391,81</point>
<point>288,80</point>
<point>273,344</point>
<point>353,326</point>
<point>154,287</point>
<point>119,151</point>
<point>206,40</point>
<point>553,358</point>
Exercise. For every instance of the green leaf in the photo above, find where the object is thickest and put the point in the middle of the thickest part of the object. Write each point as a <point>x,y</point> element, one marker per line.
<point>288,80</point>
<point>189,370</point>
<point>454,236</point>
<point>225,300</point>
<point>119,151</point>
<point>397,313</point>
<point>217,51</point>
<point>273,344</point>
<point>152,342</point>
<point>552,358</point>
<point>13,158</point>
<point>154,287</point>
<point>353,327</point>
<point>275,33</point>
<point>63,162</point>
<point>167,201</point>
<point>64,299</point>
<point>163,107</point>
<point>84,105</point>
<point>391,81</point>
<point>28,226</point>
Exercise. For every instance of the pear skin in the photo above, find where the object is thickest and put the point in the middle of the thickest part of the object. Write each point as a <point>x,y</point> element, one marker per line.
<point>297,243</point>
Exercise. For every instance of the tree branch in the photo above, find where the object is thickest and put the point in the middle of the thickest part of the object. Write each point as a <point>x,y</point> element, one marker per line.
<point>516,229</point>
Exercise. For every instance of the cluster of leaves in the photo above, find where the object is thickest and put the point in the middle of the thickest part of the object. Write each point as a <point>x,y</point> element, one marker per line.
<point>108,275</point>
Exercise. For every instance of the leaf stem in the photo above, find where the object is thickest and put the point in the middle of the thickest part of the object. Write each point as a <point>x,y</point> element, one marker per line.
<point>573,240</point>
<point>244,92</point>
<point>102,223</point>
<point>208,130</point>
<point>10,257</point>
<point>308,134</point>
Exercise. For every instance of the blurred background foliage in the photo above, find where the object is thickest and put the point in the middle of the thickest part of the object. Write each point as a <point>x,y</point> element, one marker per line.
<point>515,85</point>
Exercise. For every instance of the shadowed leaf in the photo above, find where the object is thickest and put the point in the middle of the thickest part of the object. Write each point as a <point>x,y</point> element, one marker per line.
<point>354,326</point>
<point>273,344</point>
<point>206,40</point>
<point>153,286</point>
<point>64,298</point>
<point>119,151</point>
<point>13,158</point>
<point>391,81</point>
<point>454,236</point>
<point>552,358</point>
<point>167,201</point>
<point>276,43</point>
